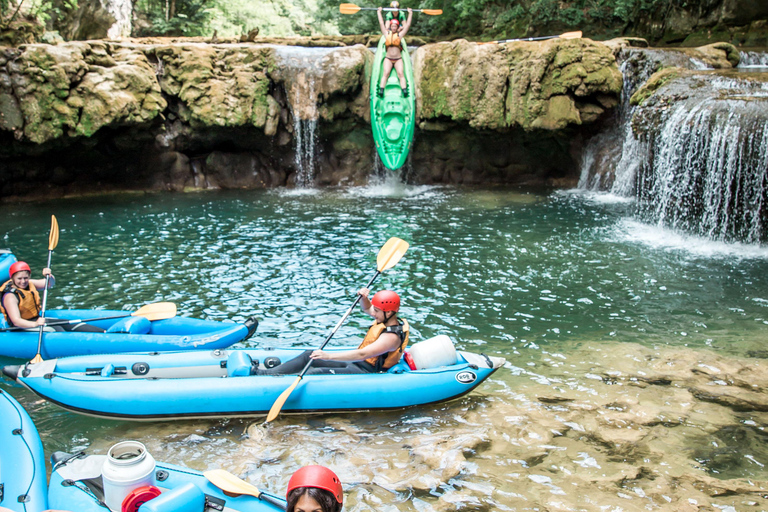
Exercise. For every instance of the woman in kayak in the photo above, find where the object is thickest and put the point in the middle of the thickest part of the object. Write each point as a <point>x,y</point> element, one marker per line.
<point>20,298</point>
<point>314,489</point>
<point>20,303</point>
<point>380,350</point>
<point>393,33</point>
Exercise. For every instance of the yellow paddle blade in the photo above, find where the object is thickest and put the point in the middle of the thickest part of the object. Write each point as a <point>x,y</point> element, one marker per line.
<point>280,402</point>
<point>156,311</point>
<point>571,35</point>
<point>432,12</point>
<point>231,484</point>
<point>348,8</point>
<point>391,253</point>
<point>37,359</point>
<point>53,237</point>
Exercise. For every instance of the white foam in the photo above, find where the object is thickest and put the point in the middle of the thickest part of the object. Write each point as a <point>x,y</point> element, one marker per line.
<point>596,197</point>
<point>661,238</point>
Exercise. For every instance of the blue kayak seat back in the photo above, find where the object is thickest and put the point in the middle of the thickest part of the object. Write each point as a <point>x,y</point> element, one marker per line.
<point>400,367</point>
<point>132,325</point>
<point>238,364</point>
<point>3,323</point>
<point>184,498</point>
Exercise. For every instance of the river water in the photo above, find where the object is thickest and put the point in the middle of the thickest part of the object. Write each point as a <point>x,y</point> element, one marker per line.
<point>604,322</point>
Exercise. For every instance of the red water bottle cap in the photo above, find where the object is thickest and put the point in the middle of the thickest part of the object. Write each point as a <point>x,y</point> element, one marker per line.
<point>138,497</point>
<point>409,360</point>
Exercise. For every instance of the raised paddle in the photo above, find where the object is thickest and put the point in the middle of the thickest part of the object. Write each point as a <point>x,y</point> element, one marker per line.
<point>566,35</point>
<point>156,311</point>
<point>235,486</point>
<point>388,257</point>
<point>53,241</point>
<point>352,9</point>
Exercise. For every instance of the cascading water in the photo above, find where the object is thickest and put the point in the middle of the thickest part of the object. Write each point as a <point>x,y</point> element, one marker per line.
<point>753,60</point>
<point>706,166</point>
<point>301,71</point>
<point>611,157</point>
<point>694,156</point>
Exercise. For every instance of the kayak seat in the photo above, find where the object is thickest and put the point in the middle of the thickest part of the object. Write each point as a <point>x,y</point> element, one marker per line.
<point>132,325</point>
<point>3,323</point>
<point>184,498</point>
<point>400,367</point>
<point>239,364</point>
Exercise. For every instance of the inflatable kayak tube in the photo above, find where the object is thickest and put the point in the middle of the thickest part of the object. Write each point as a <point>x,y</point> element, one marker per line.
<point>78,484</point>
<point>127,334</point>
<point>181,385</point>
<point>22,463</point>
<point>393,116</point>
<point>78,481</point>
<point>6,260</point>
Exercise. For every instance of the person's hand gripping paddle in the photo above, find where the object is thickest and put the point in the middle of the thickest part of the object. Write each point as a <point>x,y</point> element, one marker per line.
<point>388,257</point>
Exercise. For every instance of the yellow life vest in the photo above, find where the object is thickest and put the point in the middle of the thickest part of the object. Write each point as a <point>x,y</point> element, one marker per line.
<point>392,39</point>
<point>390,359</point>
<point>29,301</point>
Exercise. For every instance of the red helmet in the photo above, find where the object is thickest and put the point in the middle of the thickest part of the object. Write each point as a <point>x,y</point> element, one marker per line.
<point>386,300</point>
<point>394,21</point>
<point>19,266</point>
<point>319,477</point>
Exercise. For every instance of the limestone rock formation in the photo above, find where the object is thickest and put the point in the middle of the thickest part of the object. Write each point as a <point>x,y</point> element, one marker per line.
<point>166,114</point>
<point>548,85</point>
<point>49,92</point>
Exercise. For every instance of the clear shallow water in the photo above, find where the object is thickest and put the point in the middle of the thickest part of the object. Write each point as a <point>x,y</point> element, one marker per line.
<point>535,278</point>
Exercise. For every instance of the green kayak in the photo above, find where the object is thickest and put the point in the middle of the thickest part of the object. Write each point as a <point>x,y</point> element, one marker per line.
<point>392,117</point>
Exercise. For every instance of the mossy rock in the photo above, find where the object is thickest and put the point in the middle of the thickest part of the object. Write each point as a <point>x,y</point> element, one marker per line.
<point>657,80</point>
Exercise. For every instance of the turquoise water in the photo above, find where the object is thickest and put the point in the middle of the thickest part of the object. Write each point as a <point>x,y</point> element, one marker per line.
<point>518,274</point>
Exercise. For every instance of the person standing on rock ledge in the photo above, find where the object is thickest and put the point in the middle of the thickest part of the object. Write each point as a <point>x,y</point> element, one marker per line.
<point>393,32</point>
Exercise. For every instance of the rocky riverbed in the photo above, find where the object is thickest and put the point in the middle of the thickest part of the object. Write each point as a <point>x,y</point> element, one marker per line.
<point>603,427</point>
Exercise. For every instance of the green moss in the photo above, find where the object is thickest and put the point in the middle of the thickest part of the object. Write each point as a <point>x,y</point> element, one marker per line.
<point>657,80</point>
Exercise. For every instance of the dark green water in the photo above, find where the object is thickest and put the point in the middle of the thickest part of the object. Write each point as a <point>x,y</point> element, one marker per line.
<point>517,274</point>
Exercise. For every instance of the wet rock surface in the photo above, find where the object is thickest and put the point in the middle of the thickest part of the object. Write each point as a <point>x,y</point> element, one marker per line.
<point>607,426</point>
<point>95,116</point>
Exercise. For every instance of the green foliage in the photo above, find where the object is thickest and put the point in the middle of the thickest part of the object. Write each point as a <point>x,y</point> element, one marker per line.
<point>189,17</point>
<point>47,10</point>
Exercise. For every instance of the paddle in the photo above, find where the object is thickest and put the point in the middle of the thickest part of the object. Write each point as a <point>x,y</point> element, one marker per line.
<point>566,35</point>
<point>352,9</point>
<point>53,241</point>
<point>388,257</point>
<point>156,311</point>
<point>232,485</point>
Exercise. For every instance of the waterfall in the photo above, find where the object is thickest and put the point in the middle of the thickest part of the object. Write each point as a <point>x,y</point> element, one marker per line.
<point>751,60</point>
<point>706,166</point>
<point>301,72</point>
<point>610,159</point>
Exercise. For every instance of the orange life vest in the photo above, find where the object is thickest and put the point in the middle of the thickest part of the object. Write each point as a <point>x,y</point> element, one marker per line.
<point>392,39</point>
<point>29,301</point>
<point>389,359</point>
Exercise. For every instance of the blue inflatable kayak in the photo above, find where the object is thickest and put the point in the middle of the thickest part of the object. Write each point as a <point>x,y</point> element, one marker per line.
<point>77,484</point>
<point>126,334</point>
<point>22,463</point>
<point>179,385</point>
<point>6,260</point>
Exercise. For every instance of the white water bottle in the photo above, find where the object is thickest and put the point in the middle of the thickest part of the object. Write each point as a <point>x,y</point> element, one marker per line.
<point>128,466</point>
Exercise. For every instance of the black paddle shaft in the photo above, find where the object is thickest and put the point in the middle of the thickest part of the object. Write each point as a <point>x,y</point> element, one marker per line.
<point>349,311</point>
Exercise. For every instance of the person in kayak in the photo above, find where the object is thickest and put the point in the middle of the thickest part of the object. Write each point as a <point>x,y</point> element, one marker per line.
<point>314,489</point>
<point>380,350</point>
<point>20,298</point>
<point>20,303</point>
<point>393,32</point>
